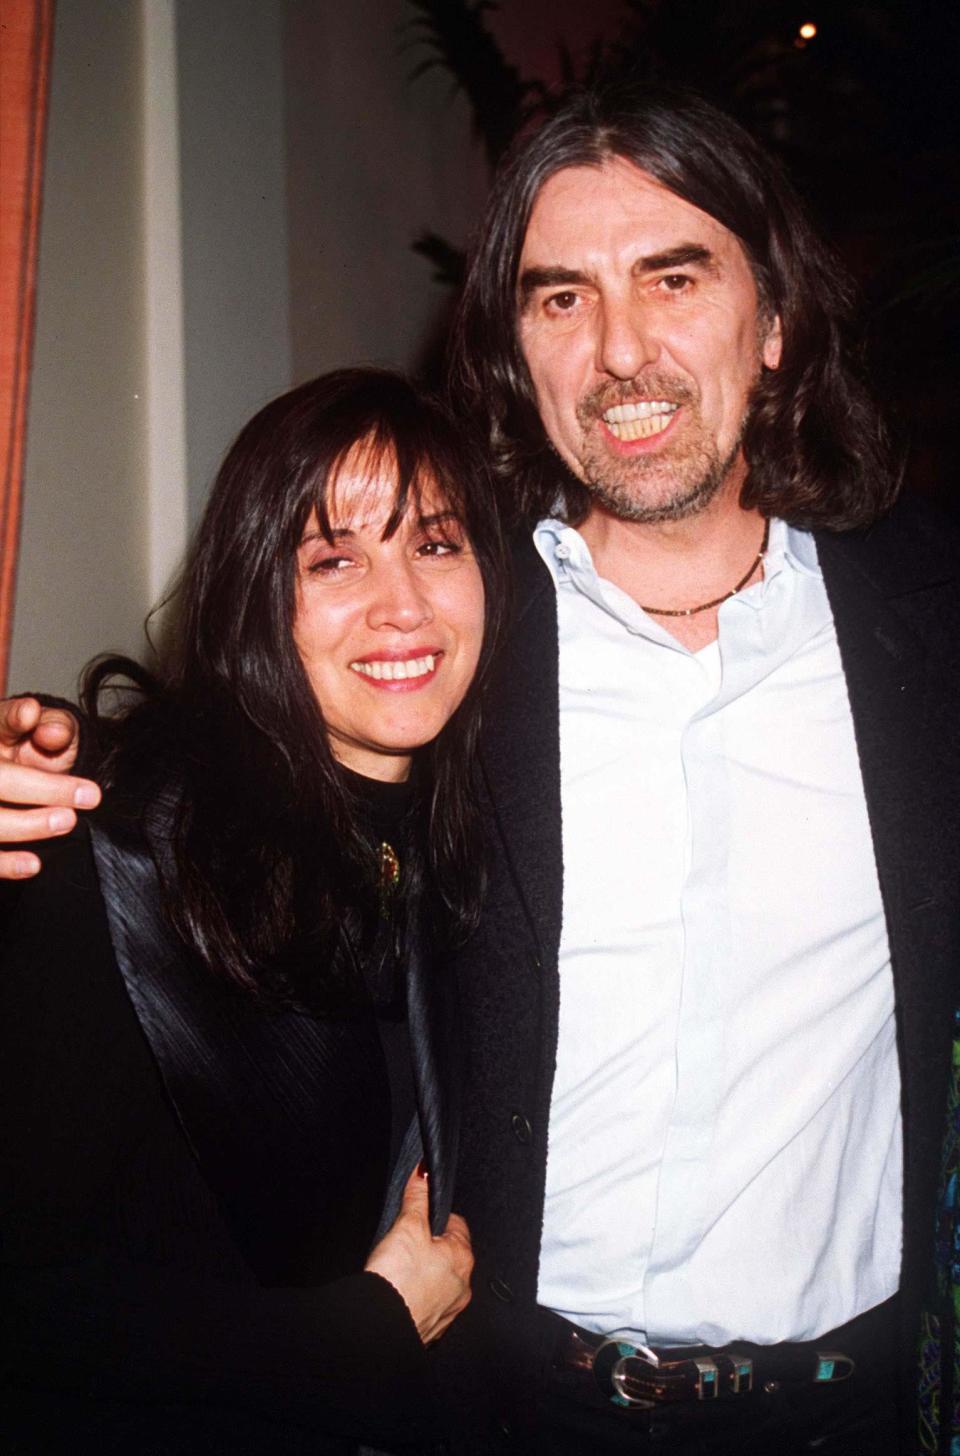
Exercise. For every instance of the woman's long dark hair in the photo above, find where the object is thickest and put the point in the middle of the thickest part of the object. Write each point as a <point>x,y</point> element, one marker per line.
<point>266,860</point>
<point>816,448</point>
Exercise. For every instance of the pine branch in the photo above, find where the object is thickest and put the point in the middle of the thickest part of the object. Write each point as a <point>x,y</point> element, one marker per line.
<point>455,33</point>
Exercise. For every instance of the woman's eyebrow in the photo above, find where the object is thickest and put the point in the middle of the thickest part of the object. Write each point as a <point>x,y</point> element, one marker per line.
<point>344,533</point>
<point>340,533</point>
<point>439,518</point>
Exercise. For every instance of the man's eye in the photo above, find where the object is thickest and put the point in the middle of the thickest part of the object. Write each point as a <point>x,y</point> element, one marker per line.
<point>562,302</point>
<point>674,282</point>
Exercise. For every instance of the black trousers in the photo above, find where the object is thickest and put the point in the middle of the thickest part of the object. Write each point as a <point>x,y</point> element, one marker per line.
<point>855,1417</point>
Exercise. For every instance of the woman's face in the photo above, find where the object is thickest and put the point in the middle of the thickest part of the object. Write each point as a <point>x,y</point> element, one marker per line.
<point>389,632</point>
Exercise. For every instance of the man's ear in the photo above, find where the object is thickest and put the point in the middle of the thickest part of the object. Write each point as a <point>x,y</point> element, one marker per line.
<point>772,344</point>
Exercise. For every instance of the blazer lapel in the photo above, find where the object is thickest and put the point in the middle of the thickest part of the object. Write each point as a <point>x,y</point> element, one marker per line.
<point>883,661</point>
<point>520,752</point>
<point>893,593</point>
<point>279,1108</point>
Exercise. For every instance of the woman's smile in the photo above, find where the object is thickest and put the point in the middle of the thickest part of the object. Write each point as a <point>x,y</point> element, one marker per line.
<point>388,627</point>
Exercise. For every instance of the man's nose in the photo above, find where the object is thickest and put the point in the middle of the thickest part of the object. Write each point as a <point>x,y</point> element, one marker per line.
<point>627,339</point>
<point>399,600</point>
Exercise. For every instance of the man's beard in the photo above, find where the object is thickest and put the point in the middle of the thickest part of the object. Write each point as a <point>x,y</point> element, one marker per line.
<point>668,485</point>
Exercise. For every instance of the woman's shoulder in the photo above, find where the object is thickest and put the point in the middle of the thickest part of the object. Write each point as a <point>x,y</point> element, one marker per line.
<point>67,877</point>
<point>59,986</point>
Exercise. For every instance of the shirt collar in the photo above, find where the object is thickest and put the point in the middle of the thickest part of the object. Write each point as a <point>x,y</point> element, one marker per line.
<point>789,545</point>
<point>565,552</point>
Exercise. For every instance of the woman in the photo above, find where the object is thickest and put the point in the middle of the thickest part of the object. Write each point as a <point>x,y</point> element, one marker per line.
<point>205,1076</point>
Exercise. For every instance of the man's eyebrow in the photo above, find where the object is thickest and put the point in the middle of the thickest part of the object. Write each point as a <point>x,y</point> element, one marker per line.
<point>678,257</point>
<point>533,278</point>
<point>556,277</point>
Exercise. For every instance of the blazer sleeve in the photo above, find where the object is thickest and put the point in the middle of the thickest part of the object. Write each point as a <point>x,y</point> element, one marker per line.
<point>86,1308</point>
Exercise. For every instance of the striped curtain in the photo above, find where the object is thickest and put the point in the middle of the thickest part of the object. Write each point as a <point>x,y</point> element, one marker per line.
<point>25,38</point>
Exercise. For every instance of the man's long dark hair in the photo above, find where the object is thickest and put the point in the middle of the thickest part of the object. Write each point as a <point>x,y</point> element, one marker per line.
<point>263,858</point>
<point>817,450</point>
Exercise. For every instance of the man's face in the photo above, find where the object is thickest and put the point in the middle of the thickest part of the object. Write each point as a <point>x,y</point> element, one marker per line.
<point>640,325</point>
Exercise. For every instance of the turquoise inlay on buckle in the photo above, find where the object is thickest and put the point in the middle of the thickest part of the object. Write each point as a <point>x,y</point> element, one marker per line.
<point>707,1373</point>
<point>832,1366</point>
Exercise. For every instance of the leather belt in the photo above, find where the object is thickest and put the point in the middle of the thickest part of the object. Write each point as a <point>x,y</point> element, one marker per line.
<point>633,1376</point>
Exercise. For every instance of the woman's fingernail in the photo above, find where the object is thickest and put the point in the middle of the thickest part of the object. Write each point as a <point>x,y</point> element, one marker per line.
<point>60,820</point>
<point>86,797</point>
<point>422,1170</point>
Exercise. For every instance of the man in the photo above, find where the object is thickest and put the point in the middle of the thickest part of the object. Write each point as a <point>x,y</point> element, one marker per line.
<point>707,1018</point>
<point>721,930</point>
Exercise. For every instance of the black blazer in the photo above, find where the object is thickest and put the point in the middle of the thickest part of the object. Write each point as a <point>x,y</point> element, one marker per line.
<point>894,595</point>
<point>189,1187</point>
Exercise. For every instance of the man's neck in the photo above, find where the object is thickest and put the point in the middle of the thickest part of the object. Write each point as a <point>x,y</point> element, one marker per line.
<point>679,564</point>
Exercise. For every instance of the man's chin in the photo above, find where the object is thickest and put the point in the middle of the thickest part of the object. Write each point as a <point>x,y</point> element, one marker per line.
<point>642,506</point>
<point>650,495</point>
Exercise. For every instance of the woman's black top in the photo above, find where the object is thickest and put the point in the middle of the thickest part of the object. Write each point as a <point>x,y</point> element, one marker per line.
<point>385,811</point>
<point>134,1319</point>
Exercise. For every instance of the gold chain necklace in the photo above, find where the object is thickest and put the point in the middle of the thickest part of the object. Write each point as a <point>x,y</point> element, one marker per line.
<point>705,606</point>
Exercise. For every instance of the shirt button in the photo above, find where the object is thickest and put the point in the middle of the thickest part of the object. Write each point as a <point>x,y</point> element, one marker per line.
<point>501,1290</point>
<point>521,1128</point>
<point>562,552</point>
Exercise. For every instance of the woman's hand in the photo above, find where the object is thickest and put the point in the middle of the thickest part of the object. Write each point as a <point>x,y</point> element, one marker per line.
<point>432,1275</point>
<point>37,747</point>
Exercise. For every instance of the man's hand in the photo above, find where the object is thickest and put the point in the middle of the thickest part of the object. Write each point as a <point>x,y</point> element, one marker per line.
<point>431,1274</point>
<point>37,747</point>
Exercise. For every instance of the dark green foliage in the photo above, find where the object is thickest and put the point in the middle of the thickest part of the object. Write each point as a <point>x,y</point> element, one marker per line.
<point>456,38</point>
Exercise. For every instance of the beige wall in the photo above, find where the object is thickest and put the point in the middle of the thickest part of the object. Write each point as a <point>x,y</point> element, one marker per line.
<point>374,159</point>
<point>231,191</point>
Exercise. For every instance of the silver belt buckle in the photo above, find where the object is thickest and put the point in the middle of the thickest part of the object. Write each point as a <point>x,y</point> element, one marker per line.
<point>611,1373</point>
<point>615,1369</point>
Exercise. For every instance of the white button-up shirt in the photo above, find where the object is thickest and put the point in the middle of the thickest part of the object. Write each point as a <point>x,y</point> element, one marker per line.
<point>725,1156</point>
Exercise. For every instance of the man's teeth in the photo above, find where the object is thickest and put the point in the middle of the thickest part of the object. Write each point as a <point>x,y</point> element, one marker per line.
<point>387,671</point>
<point>639,420</point>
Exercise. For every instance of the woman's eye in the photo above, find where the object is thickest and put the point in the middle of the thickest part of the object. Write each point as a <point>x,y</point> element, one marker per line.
<point>439,546</point>
<point>329,565</point>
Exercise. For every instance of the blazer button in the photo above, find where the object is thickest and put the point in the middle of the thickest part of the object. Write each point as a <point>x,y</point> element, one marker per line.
<point>501,1290</point>
<point>521,1128</point>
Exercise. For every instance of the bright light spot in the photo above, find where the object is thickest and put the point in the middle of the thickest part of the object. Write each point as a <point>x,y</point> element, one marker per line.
<point>808,30</point>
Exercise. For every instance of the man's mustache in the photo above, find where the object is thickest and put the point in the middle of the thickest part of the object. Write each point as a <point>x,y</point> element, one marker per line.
<point>649,385</point>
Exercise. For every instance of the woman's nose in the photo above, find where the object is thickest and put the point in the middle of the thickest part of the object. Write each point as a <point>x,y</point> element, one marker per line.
<point>399,599</point>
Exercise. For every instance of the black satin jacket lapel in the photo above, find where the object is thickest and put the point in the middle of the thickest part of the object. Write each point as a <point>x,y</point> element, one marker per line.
<point>434,1048</point>
<point>280,1110</point>
<point>520,752</point>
